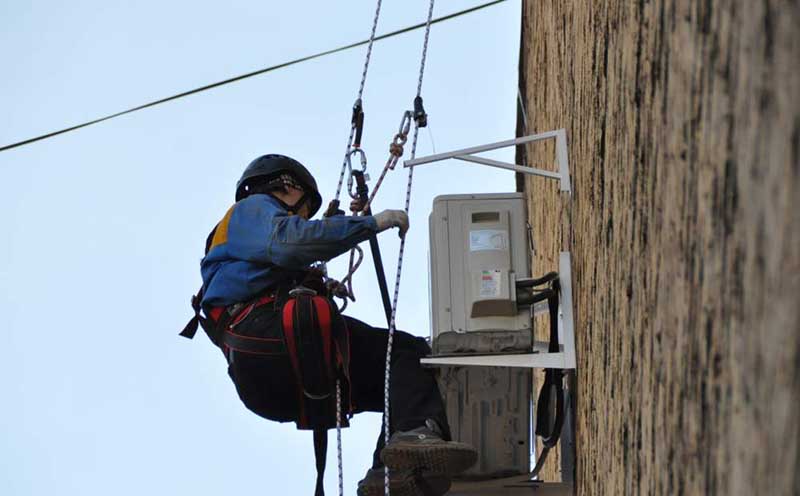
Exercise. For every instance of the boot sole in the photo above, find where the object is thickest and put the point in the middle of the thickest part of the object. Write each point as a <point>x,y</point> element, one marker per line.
<point>445,459</point>
<point>408,487</point>
<point>397,488</point>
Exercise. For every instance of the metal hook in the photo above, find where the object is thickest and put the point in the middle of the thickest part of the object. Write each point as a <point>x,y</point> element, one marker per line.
<point>405,123</point>
<point>348,161</point>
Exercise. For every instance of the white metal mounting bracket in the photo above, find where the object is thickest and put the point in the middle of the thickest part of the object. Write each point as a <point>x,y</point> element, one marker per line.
<point>467,155</point>
<point>539,357</point>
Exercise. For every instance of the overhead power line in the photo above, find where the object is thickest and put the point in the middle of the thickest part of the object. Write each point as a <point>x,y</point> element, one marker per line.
<point>245,76</point>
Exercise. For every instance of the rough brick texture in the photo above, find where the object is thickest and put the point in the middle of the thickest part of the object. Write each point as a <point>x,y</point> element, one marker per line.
<point>683,119</point>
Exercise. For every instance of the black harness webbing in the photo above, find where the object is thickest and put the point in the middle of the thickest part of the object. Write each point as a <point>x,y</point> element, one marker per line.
<point>320,454</point>
<point>363,194</point>
<point>319,350</point>
<point>191,327</point>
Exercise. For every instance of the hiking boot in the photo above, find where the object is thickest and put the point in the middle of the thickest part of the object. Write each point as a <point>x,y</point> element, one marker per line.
<point>423,450</point>
<point>402,483</point>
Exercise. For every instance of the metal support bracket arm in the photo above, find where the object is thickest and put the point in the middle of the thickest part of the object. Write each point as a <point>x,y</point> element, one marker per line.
<point>468,155</point>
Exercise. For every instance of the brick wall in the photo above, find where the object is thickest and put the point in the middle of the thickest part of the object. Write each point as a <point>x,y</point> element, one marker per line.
<point>683,120</point>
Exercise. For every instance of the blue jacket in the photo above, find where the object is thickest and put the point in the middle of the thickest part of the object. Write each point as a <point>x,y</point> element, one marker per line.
<point>258,245</point>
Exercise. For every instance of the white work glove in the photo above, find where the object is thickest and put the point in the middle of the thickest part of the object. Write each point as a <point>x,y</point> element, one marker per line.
<point>392,218</point>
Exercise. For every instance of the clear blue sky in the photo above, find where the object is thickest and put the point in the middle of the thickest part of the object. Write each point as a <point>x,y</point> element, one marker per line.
<point>103,229</point>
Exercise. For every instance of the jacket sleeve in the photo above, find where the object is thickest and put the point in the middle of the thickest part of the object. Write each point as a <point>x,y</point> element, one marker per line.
<point>261,231</point>
<point>296,242</point>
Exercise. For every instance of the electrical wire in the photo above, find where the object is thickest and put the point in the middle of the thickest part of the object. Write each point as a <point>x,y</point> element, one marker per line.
<point>245,76</point>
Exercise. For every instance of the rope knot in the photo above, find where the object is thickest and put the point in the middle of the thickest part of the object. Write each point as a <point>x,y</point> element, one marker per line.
<point>396,150</point>
<point>396,146</point>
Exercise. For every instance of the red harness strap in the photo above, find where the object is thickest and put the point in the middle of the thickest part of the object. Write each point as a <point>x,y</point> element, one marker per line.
<point>288,332</point>
<point>324,315</point>
<point>230,340</point>
<point>214,313</point>
<point>318,348</point>
<point>291,347</point>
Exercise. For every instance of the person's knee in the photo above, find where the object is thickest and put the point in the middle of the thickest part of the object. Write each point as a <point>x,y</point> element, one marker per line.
<point>409,342</point>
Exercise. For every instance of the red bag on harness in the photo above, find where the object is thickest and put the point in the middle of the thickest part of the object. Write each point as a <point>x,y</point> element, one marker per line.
<point>318,345</point>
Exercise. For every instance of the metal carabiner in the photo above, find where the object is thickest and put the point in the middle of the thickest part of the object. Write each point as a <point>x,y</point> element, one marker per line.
<point>405,123</point>
<point>348,161</point>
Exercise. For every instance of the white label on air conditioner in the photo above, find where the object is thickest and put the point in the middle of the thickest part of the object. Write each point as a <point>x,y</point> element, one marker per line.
<point>488,239</point>
<point>490,284</point>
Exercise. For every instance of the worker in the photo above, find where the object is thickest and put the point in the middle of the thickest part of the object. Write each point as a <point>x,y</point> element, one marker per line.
<point>262,249</point>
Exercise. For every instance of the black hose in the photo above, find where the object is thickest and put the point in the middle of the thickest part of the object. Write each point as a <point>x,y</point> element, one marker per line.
<point>529,283</point>
<point>547,426</point>
<point>524,299</point>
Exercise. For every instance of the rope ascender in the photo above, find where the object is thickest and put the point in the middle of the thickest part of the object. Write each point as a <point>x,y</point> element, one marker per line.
<point>358,177</point>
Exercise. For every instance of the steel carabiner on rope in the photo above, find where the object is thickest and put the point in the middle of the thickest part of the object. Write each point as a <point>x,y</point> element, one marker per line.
<point>405,123</point>
<point>349,162</point>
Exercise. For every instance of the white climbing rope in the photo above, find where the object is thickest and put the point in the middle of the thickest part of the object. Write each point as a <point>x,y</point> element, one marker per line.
<point>357,103</point>
<point>350,150</point>
<point>348,279</point>
<point>392,323</point>
<point>339,435</point>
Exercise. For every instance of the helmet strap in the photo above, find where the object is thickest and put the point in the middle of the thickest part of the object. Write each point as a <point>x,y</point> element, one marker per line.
<point>293,209</point>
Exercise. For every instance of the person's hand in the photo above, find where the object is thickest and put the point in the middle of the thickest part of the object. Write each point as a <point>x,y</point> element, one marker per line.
<point>392,218</point>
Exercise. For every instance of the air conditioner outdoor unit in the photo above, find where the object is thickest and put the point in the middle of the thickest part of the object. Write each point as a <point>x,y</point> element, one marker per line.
<point>479,248</point>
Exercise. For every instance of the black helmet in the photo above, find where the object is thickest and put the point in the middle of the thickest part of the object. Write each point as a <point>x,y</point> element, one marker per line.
<point>273,165</point>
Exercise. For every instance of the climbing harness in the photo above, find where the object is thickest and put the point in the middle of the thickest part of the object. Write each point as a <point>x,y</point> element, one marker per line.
<point>316,341</point>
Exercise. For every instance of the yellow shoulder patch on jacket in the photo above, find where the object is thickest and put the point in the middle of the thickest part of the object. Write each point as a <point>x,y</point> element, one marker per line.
<point>221,234</point>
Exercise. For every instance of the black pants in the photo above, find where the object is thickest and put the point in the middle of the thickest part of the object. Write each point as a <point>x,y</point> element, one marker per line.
<point>266,384</point>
